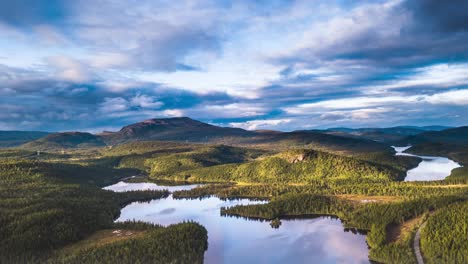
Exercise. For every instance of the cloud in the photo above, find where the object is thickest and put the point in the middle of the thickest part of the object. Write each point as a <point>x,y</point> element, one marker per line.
<point>145,101</point>
<point>436,15</point>
<point>69,69</point>
<point>358,114</point>
<point>259,64</point>
<point>24,13</point>
<point>260,124</point>
<point>352,103</point>
<point>457,97</point>
<point>112,105</point>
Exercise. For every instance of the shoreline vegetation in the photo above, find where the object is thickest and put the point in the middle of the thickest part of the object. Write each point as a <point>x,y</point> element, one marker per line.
<point>53,208</point>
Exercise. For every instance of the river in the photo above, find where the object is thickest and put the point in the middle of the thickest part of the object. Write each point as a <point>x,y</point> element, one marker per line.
<point>430,168</point>
<point>240,240</point>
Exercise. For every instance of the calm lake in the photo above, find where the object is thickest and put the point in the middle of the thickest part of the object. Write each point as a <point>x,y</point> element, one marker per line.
<point>430,168</point>
<point>239,240</point>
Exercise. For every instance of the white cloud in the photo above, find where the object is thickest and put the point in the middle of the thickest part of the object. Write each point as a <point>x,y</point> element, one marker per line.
<point>352,103</point>
<point>439,75</point>
<point>145,101</point>
<point>109,60</point>
<point>355,115</point>
<point>112,105</point>
<point>457,97</point>
<point>69,69</point>
<point>173,112</point>
<point>260,124</point>
<point>454,97</point>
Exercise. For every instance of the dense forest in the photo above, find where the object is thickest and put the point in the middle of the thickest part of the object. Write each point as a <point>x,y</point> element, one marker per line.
<point>377,218</point>
<point>52,207</point>
<point>45,206</point>
<point>293,166</point>
<point>444,239</point>
<point>179,243</point>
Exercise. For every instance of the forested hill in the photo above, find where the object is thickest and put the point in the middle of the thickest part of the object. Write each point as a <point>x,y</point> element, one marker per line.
<point>16,138</point>
<point>174,129</point>
<point>187,130</point>
<point>184,129</point>
<point>457,135</point>
<point>387,135</point>
<point>65,140</point>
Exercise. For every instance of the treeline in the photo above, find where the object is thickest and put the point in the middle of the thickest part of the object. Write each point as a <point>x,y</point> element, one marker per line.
<point>179,243</point>
<point>375,217</point>
<point>406,190</point>
<point>296,166</point>
<point>444,239</point>
<point>168,165</point>
<point>42,209</point>
<point>456,152</point>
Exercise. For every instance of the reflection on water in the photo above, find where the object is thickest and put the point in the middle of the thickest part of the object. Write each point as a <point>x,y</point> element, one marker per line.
<point>430,168</point>
<point>238,240</point>
<point>142,186</point>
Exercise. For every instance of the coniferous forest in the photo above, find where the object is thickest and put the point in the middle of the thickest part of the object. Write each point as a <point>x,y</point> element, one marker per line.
<point>54,210</point>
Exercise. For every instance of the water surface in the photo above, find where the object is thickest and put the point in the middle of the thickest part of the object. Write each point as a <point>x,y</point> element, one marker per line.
<point>239,240</point>
<point>143,186</point>
<point>430,168</point>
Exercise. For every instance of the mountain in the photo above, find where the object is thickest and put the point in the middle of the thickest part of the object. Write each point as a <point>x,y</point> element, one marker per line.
<point>388,135</point>
<point>16,138</point>
<point>184,129</point>
<point>173,129</point>
<point>65,140</point>
<point>312,139</point>
<point>430,128</point>
<point>457,135</point>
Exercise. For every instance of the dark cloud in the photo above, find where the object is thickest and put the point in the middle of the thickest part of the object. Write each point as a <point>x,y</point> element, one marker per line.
<point>435,15</point>
<point>371,49</point>
<point>164,51</point>
<point>32,12</point>
<point>413,34</point>
<point>54,105</point>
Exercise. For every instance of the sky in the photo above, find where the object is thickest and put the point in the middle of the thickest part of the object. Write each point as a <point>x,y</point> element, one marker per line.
<point>94,65</point>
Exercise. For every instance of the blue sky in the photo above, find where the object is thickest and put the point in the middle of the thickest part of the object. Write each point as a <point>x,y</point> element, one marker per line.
<point>97,65</point>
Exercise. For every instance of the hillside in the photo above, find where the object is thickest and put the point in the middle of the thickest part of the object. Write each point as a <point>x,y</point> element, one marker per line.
<point>457,135</point>
<point>451,143</point>
<point>65,140</point>
<point>312,139</point>
<point>173,129</point>
<point>387,135</point>
<point>293,166</point>
<point>16,138</point>
<point>187,130</point>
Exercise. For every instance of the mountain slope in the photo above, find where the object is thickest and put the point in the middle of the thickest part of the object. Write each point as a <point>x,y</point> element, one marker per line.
<point>457,135</point>
<point>387,135</point>
<point>174,129</point>
<point>292,166</point>
<point>184,129</point>
<point>65,140</point>
<point>315,140</point>
<point>16,138</point>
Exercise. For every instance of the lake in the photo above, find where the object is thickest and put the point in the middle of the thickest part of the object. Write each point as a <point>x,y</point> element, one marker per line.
<point>430,168</point>
<point>239,240</point>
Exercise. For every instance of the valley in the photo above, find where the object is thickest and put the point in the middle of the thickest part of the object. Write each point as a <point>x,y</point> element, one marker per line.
<point>64,195</point>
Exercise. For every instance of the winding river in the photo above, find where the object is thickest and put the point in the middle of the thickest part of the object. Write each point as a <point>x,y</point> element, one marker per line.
<point>239,240</point>
<point>430,168</point>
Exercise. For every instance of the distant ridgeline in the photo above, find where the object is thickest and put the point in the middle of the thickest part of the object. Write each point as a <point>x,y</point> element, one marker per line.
<point>188,130</point>
<point>184,129</point>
